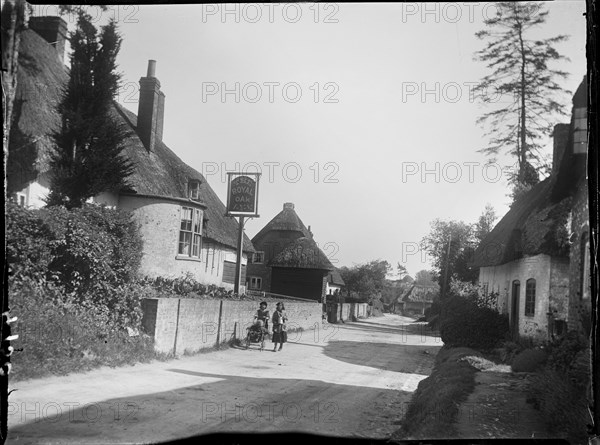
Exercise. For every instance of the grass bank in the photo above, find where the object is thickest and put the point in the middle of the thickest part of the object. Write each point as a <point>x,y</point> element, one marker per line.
<point>435,404</point>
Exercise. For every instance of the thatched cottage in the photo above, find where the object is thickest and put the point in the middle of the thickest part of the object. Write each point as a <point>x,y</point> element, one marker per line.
<point>537,257</point>
<point>182,220</point>
<point>288,260</point>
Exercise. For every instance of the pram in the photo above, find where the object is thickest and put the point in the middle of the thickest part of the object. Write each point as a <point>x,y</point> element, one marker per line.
<point>256,334</point>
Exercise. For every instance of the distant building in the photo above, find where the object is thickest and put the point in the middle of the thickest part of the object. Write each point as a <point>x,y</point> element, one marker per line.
<point>537,257</point>
<point>287,259</point>
<point>182,219</point>
<point>335,282</point>
<point>417,298</point>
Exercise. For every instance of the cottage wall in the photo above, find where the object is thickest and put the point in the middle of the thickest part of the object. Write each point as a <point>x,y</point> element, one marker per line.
<point>559,288</point>
<point>578,297</point>
<point>160,222</point>
<point>539,267</point>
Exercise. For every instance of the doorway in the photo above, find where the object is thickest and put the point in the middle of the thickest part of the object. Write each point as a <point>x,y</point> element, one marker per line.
<point>514,309</point>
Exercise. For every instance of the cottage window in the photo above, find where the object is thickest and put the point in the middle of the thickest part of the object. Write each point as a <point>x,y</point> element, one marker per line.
<point>258,257</point>
<point>485,289</point>
<point>580,135</point>
<point>584,291</point>
<point>255,283</point>
<point>194,190</point>
<point>530,297</point>
<point>190,233</point>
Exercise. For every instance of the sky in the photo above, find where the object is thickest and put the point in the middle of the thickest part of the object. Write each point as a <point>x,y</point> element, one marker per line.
<point>362,115</point>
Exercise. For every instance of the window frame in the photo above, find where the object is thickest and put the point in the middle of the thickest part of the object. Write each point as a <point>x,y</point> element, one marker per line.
<point>194,189</point>
<point>189,243</point>
<point>255,283</point>
<point>529,309</point>
<point>254,255</point>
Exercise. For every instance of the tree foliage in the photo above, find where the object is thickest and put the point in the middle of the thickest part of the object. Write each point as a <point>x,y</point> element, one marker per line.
<point>485,223</point>
<point>88,158</point>
<point>365,280</point>
<point>450,245</point>
<point>520,73</point>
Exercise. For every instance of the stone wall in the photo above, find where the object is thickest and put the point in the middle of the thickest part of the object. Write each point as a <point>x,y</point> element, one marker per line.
<point>189,325</point>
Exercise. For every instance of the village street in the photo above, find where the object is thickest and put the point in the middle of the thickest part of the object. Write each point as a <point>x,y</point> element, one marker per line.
<point>352,379</point>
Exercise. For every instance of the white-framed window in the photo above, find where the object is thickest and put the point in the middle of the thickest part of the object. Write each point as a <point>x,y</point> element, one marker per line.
<point>190,232</point>
<point>194,190</point>
<point>580,134</point>
<point>255,283</point>
<point>258,257</point>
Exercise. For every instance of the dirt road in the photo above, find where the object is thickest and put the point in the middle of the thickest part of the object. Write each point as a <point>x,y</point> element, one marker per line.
<point>353,379</point>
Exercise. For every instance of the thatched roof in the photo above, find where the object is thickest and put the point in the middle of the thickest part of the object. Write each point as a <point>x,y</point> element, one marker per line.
<point>335,278</point>
<point>420,293</point>
<point>42,77</point>
<point>536,223</point>
<point>161,172</point>
<point>287,221</point>
<point>303,253</point>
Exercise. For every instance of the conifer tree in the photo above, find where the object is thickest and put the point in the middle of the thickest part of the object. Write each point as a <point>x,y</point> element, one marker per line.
<point>521,75</point>
<point>88,158</point>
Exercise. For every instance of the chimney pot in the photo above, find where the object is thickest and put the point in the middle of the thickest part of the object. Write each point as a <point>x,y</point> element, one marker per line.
<point>151,68</point>
<point>288,205</point>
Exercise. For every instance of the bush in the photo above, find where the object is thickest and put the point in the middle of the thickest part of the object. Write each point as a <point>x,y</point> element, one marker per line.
<point>529,360</point>
<point>564,350</point>
<point>60,335</point>
<point>27,242</point>
<point>463,323</point>
<point>563,405</point>
<point>93,247</point>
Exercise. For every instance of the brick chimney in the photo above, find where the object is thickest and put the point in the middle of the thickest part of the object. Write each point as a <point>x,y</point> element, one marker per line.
<point>288,205</point>
<point>54,30</point>
<point>151,109</point>
<point>560,138</point>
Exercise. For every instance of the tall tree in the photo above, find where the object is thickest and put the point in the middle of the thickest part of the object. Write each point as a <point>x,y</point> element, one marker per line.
<point>366,280</point>
<point>485,223</point>
<point>450,245</point>
<point>520,70</point>
<point>88,159</point>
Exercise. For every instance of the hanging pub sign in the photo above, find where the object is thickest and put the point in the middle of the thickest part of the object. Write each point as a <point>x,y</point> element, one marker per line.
<point>242,194</point>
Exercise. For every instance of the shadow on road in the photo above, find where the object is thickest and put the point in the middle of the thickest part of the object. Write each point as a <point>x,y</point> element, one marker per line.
<point>232,404</point>
<point>386,356</point>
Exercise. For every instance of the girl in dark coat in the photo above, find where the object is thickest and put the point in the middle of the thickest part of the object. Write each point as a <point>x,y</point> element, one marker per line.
<point>279,331</point>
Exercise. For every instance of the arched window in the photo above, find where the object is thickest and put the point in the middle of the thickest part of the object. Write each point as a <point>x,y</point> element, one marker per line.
<point>530,297</point>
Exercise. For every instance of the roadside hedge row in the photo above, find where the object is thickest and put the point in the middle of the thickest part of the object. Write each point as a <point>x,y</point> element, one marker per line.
<point>72,284</point>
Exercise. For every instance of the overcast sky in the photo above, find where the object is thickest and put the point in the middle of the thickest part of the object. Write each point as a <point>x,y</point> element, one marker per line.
<point>359,114</point>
